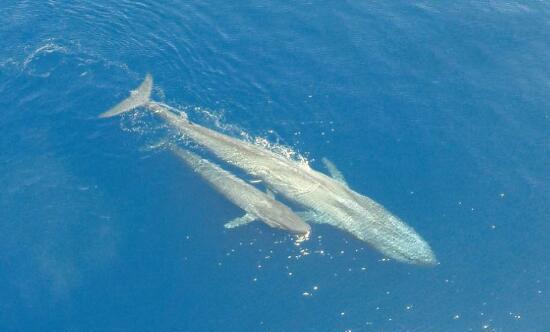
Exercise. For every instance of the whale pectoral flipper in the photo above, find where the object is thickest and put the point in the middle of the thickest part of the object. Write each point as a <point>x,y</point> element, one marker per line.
<point>334,172</point>
<point>240,221</point>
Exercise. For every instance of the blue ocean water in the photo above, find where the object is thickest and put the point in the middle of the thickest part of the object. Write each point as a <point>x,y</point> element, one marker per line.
<point>438,111</point>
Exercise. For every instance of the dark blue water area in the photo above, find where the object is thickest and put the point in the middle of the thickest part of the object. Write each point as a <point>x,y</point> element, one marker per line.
<point>440,112</point>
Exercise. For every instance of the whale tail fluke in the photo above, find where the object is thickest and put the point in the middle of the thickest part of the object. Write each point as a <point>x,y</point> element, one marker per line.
<point>139,97</point>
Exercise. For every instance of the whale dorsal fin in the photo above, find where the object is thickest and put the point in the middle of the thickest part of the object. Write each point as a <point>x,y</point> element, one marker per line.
<point>240,221</point>
<point>334,172</point>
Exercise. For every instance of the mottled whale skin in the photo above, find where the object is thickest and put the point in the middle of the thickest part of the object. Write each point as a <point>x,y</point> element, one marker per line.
<point>327,200</point>
<point>258,205</point>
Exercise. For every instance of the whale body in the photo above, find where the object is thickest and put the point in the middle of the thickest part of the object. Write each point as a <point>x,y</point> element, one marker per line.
<point>258,205</point>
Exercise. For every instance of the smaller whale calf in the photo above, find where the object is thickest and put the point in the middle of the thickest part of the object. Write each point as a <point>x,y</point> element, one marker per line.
<point>258,205</point>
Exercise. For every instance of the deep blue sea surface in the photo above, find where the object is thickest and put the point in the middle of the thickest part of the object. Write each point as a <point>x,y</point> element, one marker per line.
<point>440,112</point>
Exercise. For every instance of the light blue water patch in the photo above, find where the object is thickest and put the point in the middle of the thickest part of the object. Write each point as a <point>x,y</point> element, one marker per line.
<point>439,112</point>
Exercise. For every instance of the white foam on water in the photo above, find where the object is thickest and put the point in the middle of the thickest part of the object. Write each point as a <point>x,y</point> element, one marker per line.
<point>216,119</point>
